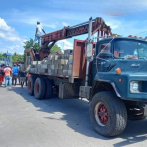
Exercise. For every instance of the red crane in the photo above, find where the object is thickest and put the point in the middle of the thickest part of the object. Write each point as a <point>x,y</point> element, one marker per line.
<point>48,40</point>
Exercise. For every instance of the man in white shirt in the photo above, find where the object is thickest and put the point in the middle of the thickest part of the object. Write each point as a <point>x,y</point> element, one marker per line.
<point>38,34</point>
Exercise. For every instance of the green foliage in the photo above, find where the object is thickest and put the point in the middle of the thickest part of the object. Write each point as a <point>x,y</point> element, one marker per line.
<point>29,44</point>
<point>1,55</point>
<point>55,48</point>
<point>17,58</point>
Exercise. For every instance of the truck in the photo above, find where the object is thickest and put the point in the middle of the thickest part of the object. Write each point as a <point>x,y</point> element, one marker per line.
<point>110,73</point>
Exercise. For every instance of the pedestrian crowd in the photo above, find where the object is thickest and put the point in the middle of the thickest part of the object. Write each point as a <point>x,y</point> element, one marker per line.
<point>13,75</point>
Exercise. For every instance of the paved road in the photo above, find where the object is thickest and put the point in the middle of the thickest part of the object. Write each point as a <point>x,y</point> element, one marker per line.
<point>27,122</point>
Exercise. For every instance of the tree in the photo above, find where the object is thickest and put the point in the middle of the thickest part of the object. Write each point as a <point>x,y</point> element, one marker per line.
<point>55,48</point>
<point>17,57</point>
<point>29,44</point>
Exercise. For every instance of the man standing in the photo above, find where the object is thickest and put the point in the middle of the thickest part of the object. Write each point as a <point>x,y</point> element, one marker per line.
<point>22,78</point>
<point>15,75</point>
<point>38,34</point>
<point>7,72</point>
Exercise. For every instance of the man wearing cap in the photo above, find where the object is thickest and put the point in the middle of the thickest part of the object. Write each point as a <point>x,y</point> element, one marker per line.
<point>7,72</point>
<point>38,34</point>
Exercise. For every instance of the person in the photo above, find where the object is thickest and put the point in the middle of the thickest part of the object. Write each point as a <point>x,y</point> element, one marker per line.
<point>7,73</point>
<point>22,78</point>
<point>18,73</point>
<point>1,75</point>
<point>14,75</point>
<point>38,34</point>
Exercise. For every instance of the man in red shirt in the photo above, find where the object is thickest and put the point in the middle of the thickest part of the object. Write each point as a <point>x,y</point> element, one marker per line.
<point>8,73</point>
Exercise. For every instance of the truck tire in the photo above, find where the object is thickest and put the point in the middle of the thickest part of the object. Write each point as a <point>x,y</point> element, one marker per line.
<point>39,88</point>
<point>31,82</point>
<point>108,114</point>
<point>49,89</point>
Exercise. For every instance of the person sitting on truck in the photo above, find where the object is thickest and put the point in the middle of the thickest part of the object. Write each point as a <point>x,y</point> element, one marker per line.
<point>38,34</point>
<point>7,72</point>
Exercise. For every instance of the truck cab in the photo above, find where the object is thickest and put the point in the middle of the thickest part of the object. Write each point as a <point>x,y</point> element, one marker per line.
<point>129,57</point>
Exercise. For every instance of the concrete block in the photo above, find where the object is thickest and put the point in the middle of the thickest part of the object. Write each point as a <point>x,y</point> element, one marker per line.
<point>69,72</point>
<point>54,62</point>
<point>54,71</point>
<point>51,56</point>
<point>49,61</point>
<point>44,66</point>
<point>33,62</point>
<point>48,66</point>
<point>49,71</point>
<point>70,61</point>
<point>65,72</point>
<point>62,61</point>
<point>35,69</point>
<point>70,57</point>
<point>55,57</point>
<point>54,66</point>
<point>70,67</point>
<point>59,72</point>
<point>38,62</point>
<point>67,52</point>
<point>65,67</point>
<point>42,70</point>
<point>38,66</point>
<point>60,66</point>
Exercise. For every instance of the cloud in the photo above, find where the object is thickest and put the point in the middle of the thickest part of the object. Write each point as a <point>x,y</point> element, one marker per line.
<point>65,24</point>
<point>64,44</point>
<point>4,26</point>
<point>9,38</point>
<point>7,32</point>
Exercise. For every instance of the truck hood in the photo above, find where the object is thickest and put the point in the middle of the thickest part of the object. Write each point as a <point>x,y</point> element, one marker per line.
<point>135,66</point>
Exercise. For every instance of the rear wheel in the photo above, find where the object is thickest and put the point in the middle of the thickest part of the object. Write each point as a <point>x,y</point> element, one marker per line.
<point>49,89</point>
<point>108,114</point>
<point>31,82</point>
<point>39,88</point>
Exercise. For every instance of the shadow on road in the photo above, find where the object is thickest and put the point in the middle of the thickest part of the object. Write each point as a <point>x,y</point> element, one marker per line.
<point>76,114</point>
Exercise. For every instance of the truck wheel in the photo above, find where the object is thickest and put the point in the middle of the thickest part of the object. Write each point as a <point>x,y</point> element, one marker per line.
<point>31,82</point>
<point>49,89</point>
<point>39,88</point>
<point>108,114</point>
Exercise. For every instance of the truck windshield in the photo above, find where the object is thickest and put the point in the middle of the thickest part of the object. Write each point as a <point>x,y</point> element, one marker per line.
<point>130,49</point>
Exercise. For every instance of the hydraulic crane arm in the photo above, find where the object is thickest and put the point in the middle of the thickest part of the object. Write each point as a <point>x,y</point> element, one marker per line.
<point>98,25</point>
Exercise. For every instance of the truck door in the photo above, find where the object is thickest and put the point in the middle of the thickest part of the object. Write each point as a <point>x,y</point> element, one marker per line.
<point>99,63</point>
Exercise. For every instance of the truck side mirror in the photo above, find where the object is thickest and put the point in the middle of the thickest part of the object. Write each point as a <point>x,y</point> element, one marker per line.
<point>89,51</point>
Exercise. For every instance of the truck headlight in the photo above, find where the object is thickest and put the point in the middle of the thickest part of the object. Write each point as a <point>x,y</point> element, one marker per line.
<point>135,86</point>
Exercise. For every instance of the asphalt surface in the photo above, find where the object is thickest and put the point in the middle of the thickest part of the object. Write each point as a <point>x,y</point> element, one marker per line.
<point>27,122</point>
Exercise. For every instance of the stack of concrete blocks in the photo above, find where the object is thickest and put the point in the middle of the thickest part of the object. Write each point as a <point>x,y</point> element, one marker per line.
<point>60,64</point>
<point>54,64</point>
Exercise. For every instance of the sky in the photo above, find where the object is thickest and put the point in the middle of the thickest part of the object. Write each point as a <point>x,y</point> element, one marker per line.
<point>18,19</point>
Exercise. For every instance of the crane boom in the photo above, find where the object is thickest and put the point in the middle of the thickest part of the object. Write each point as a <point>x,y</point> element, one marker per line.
<point>98,25</point>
